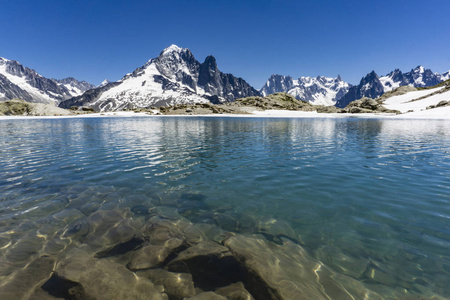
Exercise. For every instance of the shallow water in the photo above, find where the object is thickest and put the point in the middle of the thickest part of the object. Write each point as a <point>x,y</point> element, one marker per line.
<point>368,198</point>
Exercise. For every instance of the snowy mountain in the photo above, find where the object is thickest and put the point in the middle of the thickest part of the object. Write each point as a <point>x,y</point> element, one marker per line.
<point>17,81</point>
<point>174,77</point>
<point>74,86</point>
<point>373,86</point>
<point>319,90</point>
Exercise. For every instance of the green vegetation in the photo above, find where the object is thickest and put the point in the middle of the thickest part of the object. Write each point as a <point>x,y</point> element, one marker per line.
<point>275,101</point>
<point>15,107</point>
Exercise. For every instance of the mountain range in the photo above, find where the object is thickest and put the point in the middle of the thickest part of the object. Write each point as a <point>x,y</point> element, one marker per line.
<point>17,81</point>
<point>176,77</point>
<point>318,91</point>
<point>373,86</point>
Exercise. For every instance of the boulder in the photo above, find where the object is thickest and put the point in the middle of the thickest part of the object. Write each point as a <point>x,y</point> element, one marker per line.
<point>211,265</point>
<point>207,296</point>
<point>22,283</point>
<point>359,110</point>
<point>287,271</point>
<point>152,256</point>
<point>235,291</point>
<point>443,103</point>
<point>177,285</point>
<point>92,278</point>
<point>369,103</point>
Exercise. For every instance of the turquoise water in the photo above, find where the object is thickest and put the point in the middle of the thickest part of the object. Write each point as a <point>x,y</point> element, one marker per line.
<point>369,198</point>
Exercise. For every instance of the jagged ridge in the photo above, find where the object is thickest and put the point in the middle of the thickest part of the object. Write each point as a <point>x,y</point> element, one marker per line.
<point>17,81</point>
<point>373,86</point>
<point>318,91</point>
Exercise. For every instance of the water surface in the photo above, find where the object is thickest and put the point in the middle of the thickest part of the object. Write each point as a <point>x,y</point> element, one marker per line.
<point>369,198</point>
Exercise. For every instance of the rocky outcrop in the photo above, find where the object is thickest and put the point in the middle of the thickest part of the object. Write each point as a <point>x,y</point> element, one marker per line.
<point>275,101</point>
<point>367,105</point>
<point>18,107</point>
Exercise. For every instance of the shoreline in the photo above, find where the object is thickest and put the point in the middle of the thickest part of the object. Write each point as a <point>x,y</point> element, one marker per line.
<point>442,114</point>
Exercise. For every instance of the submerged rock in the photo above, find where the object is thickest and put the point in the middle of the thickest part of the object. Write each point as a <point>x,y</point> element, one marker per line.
<point>207,296</point>
<point>100,279</point>
<point>176,285</point>
<point>287,271</point>
<point>22,283</point>
<point>107,228</point>
<point>152,256</point>
<point>235,291</point>
<point>211,265</point>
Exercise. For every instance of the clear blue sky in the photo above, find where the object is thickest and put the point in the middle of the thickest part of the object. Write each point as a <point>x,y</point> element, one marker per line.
<point>93,40</point>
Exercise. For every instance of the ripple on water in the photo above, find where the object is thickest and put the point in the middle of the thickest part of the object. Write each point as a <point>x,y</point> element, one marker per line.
<point>359,206</point>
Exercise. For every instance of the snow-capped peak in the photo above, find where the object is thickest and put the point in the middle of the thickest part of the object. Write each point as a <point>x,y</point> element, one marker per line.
<point>419,69</point>
<point>104,82</point>
<point>316,90</point>
<point>172,48</point>
<point>4,59</point>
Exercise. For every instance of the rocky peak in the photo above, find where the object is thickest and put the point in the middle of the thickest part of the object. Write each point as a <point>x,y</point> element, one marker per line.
<point>208,73</point>
<point>418,69</point>
<point>276,84</point>
<point>210,62</point>
<point>104,82</point>
<point>176,63</point>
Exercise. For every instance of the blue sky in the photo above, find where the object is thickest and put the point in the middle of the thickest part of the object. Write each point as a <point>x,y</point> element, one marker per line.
<point>93,40</point>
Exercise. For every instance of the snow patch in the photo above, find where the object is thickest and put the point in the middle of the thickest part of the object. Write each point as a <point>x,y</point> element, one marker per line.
<point>408,101</point>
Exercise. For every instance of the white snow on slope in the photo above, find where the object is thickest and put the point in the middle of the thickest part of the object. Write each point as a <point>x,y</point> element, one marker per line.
<point>389,84</point>
<point>73,90</point>
<point>23,84</point>
<point>404,102</point>
<point>143,89</point>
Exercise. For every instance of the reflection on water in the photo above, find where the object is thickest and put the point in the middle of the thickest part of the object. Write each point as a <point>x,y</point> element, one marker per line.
<point>368,199</point>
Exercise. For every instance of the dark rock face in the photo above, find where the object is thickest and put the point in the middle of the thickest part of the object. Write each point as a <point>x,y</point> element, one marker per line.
<point>373,86</point>
<point>11,91</point>
<point>370,86</point>
<point>174,77</point>
<point>45,90</point>
<point>277,84</point>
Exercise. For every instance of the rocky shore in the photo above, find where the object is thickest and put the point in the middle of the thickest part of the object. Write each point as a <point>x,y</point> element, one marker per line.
<point>277,101</point>
<point>242,106</point>
<point>17,107</point>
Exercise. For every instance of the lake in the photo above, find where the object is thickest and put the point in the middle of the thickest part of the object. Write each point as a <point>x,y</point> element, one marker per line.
<point>369,199</point>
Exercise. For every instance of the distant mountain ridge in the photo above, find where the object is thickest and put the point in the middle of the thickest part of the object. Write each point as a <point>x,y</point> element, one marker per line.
<point>373,86</point>
<point>318,91</point>
<point>17,81</point>
<point>174,77</point>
